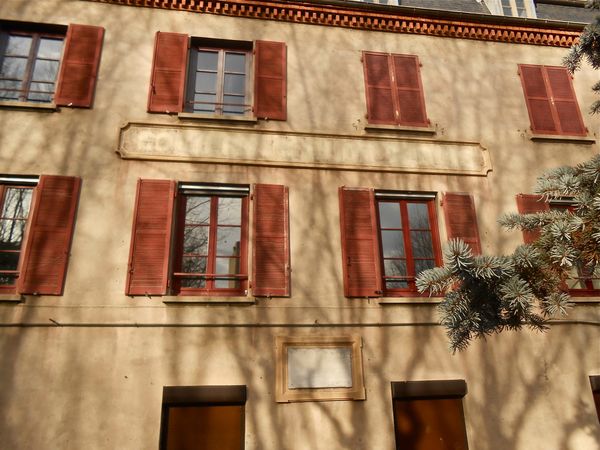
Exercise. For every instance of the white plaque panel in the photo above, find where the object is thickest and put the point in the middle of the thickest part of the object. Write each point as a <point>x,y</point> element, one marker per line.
<point>314,367</point>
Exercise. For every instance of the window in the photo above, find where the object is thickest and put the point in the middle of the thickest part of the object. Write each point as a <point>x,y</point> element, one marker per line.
<point>203,417</point>
<point>581,281</point>
<point>36,225</point>
<point>319,368</point>
<point>389,237</point>
<point>394,90</point>
<point>551,101</point>
<point>595,382</point>
<point>512,8</point>
<point>428,415</point>
<point>224,78</point>
<point>192,239</point>
<point>31,69</point>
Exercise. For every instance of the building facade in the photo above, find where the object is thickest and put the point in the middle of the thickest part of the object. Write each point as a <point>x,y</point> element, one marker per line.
<point>213,213</point>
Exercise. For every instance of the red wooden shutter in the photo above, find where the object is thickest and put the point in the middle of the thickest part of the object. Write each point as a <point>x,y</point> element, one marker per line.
<point>151,238</point>
<point>565,103</point>
<point>409,91</point>
<point>537,97</point>
<point>79,68</point>
<point>270,79</point>
<point>271,255</point>
<point>360,243</point>
<point>461,220</point>
<point>168,72</point>
<point>49,237</point>
<point>529,204</point>
<point>378,88</point>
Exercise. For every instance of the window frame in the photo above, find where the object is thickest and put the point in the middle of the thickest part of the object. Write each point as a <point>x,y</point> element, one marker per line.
<point>214,191</point>
<point>17,183</point>
<point>221,47</point>
<point>403,199</point>
<point>27,80</point>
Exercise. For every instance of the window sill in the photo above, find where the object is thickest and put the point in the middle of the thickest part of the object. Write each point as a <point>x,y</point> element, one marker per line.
<point>563,139</point>
<point>428,131</point>
<point>201,300</point>
<point>45,107</point>
<point>11,298</point>
<point>217,118</point>
<point>589,298</point>
<point>410,301</point>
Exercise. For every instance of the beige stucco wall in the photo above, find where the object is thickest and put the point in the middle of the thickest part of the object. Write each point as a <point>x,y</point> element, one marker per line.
<point>97,381</point>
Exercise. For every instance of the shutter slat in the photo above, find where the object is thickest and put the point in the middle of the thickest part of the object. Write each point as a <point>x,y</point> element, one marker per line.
<point>378,88</point>
<point>271,255</point>
<point>461,219</point>
<point>537,97</point>
<point>151,238</point>
<point>79,68</point>
<point>270,93</point>
<point>529,204</point>
<point>168,73</point>
<point>360,247</point>
<point>49,237</point>
<point>409,91</point>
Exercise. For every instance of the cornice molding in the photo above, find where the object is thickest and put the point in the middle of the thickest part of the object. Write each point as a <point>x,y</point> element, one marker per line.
<point>395,20</point>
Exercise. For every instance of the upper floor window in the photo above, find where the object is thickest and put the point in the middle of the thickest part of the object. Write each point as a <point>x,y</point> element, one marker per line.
<point>49,63</point>
<point>224,78</point>
<point>29,65</point>
<point>551,100</point>
<point>192,239</point>
<point>512,8</point>
<point>394,90</point>
<point>36,225</point>
<point>389,237</point>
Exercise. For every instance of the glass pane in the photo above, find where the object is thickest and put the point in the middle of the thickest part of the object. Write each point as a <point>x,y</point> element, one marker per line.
<point>423,264</point>
<point>422,246</point>
<point>17,203</point>
<point>205,102</point>
<point>392,243</point>
<point>396,284</point>
<point>394,267</point>
<point>418,216</point>
<point>206,82</point>
<point>235,62</point>
<point>235,84</point>
<point>207,60</point>
<point>193,264</point>
<point>230,211</point>
<point>8,280</point>
<point>195,240</point>
<point>45,70</point>
<point>9,260</point>
<point>18,45</point>
<point>50,48</point>
<point>11,234</point>
<point>34,95</point>
<point>228,265</point>
<point>228,241</point>
<point>231,103</point>
<point>197,210</point>
<point>227,284</point>
<point>197,283</point>
<point>9,89</point>
<point>389,215</point>
<point>13,68</point>
<point>575,282</point>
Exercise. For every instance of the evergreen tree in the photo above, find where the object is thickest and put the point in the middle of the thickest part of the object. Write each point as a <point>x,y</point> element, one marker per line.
<point>488,294</point>
<point>588,49</point>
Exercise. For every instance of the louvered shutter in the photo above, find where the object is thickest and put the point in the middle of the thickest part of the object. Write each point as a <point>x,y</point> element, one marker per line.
<point>79,68</point>
<point>461,220</point>
<point>537,97</point>
<point>270,77</point>
<point>378,88</point>
<point>360,244</point>
<point>565,103</point>
<point>151,238</point>
<point>271,255</point>
<point>409,91</point>
<point>49,237</point>
<point>529,204</point>
<point>168,72</point>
